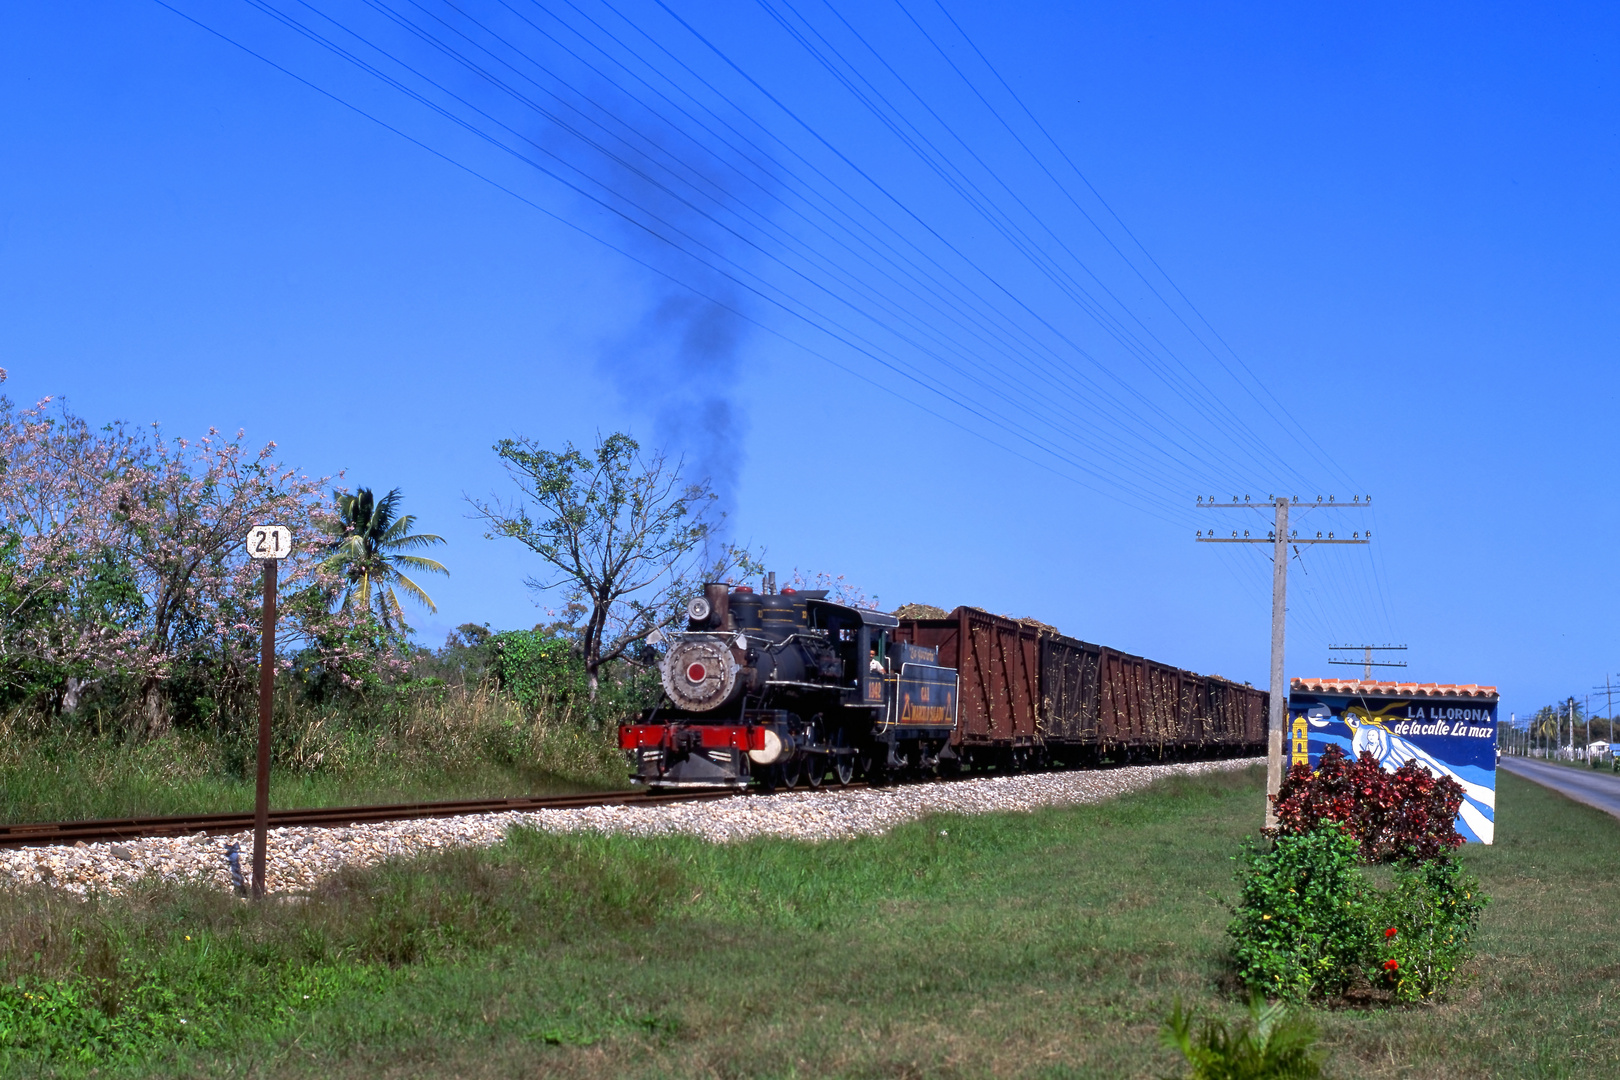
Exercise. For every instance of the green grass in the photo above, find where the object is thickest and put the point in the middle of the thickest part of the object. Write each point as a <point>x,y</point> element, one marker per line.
<point>130,784</point>
<point>1047,945</point>
<point>453,744</point>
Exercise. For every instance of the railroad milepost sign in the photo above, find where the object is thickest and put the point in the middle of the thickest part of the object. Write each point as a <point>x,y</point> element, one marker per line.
<point>269,542</point>
<point>267,545</point>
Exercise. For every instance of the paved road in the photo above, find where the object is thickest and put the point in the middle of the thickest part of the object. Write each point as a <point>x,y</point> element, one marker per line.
<point>1589,786</point>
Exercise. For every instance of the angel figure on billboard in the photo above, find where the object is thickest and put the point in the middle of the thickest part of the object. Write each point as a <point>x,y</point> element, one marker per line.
<point>1370,733</point>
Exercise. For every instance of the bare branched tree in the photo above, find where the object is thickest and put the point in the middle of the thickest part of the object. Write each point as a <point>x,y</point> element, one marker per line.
<point>626,538</point>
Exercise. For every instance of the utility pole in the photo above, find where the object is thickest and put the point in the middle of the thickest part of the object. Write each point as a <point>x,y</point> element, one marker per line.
<point>1280,539</point>
<point>1608,691</point>
<point>1367,662</point>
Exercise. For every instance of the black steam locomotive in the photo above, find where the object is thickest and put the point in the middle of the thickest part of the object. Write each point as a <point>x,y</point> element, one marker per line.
<point>776,688</point>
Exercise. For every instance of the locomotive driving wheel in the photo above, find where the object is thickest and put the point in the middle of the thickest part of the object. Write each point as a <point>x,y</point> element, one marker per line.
<point>843,763</point>
<point>791,767</point>
<point>815,765</point>
<point>872,759</point>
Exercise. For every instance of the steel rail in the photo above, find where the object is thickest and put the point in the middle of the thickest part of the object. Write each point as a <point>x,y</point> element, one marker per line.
<point>44,833</point>
<point>108,830</point>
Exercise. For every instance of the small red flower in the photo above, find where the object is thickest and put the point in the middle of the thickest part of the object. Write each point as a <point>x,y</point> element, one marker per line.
<point>1391,965</point>
<point>1390,932</point>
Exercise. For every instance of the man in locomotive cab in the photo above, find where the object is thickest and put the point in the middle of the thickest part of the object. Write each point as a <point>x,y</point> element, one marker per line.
<point>878,661</point>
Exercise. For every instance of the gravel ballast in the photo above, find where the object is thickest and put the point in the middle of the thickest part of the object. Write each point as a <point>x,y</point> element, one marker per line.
<point>300,857</point>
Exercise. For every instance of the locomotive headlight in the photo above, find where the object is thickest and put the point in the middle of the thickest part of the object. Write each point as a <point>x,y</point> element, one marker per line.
<point>697,609</point>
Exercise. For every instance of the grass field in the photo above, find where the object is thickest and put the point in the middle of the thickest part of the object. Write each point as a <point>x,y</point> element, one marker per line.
<point>458,744</point>
<point>123,785</point>
<point>1044,945</point>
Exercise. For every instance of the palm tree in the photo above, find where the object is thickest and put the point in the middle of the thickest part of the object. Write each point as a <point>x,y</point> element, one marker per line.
<point>367,545</point>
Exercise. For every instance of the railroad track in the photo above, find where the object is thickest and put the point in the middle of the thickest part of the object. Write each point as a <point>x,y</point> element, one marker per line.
<point>39,834</point>
<point>109,830</point>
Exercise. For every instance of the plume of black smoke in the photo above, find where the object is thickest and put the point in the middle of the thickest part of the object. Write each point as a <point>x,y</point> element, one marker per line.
<point>680,191</point>
<point>681,364</point>
<point>660,162</point>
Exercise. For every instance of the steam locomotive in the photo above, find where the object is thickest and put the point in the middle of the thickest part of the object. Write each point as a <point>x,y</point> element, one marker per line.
<point>783,688</point>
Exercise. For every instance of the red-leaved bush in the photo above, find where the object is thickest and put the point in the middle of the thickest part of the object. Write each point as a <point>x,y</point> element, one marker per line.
<point>1407,815</point>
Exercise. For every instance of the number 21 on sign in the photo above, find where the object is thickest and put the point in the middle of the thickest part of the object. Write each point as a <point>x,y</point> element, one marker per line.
<point>269,542</point>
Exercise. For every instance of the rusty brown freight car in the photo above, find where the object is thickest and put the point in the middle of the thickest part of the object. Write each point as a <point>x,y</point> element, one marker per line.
<point>1098,697</point>
<point>1027,692</point>
<point>998,665</point>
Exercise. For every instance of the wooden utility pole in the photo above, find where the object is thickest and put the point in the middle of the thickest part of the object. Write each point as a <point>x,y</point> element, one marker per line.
<point>1280,539</point>
<point>1278,719</point>
<point>1608,693</point>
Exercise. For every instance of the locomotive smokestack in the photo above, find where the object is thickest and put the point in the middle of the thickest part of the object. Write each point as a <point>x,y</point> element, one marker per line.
<point>718,593</point>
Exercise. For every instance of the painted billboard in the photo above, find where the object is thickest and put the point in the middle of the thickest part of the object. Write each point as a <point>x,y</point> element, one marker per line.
<point>1448,729</point>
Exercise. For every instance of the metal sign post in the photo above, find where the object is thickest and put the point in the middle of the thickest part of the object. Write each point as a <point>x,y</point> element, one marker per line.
<point>268,544</point>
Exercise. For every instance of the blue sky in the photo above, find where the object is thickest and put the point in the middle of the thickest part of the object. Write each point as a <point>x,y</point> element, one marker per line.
<point>1399,221</point>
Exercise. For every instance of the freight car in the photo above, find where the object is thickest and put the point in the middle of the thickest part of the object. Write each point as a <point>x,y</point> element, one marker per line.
<point>790,687</point>
<point>1031,696</point>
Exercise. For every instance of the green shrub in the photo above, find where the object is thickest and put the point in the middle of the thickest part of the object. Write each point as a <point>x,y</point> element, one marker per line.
<point>1427,920</point>
<point>1273,1044</point>
<point>539,669</point>
<point>1308,925</point>
<point>1300,928</point>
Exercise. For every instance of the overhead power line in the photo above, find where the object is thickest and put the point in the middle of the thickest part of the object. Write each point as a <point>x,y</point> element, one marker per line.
<point>788,231</point>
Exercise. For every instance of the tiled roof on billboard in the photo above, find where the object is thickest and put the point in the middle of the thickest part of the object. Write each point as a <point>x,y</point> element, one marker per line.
<point>1380,688</point>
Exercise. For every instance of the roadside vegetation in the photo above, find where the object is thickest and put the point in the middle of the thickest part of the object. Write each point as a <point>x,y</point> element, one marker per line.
<point>1049,945</point>
<point>1562,732</point>
<point>485,715</point>
<point>130,621</point>
<point>432,743</point>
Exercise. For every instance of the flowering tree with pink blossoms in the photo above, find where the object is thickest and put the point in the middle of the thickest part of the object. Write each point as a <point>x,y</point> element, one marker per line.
<point>122,561</point>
